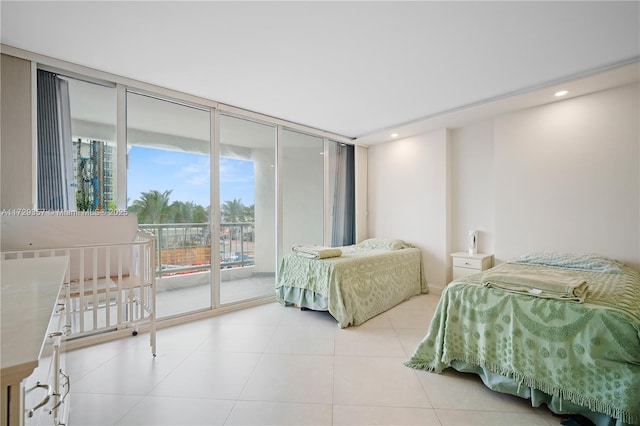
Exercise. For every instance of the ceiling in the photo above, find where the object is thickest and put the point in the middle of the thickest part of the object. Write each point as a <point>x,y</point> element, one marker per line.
<point>358,69</point>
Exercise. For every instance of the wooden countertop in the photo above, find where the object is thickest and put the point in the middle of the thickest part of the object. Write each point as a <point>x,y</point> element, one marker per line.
<point>30,291</point>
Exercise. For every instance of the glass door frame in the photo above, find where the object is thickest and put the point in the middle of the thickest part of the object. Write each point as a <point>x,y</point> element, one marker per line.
<point>215,217</point>
<point>256,119</point>
<point>122,173</point>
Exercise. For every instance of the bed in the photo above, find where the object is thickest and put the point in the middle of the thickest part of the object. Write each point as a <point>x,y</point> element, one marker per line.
<point>576,349</point>
<point>354,283</point>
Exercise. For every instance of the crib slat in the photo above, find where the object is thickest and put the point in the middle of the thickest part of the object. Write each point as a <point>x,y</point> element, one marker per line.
<point>107,293</point>
<point>67,280</point>
<point>95,288</point>
<point>130,298</point>
<point>81,288</point>
<point>121,306</point>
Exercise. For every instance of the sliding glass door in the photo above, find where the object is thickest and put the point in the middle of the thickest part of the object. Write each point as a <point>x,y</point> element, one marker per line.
<point>220,225</point>
<point>302,171</point>
<point>247,167</point>
<point>168,187</point>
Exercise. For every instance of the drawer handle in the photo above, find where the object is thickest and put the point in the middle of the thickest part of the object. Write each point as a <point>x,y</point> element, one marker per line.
<point>44,401</point>
<point>467,263</point>
<point>68,386</point>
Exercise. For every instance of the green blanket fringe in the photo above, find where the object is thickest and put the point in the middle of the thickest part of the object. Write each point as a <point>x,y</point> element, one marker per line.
<point>590,403</point>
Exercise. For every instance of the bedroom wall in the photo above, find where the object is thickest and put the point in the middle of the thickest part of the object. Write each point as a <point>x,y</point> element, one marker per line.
<point>361,153</point>
<point>408,197</point>
<point>473,189</point>
<point>563,176</point>
<point>17,133</point>
<point>567,177</point>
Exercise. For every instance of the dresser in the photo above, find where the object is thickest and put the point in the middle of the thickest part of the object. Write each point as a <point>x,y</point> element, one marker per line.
<point>33,321</point>
<point>465,263</point>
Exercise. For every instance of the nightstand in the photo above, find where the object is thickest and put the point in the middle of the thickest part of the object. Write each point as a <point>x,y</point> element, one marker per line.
<point>466,264</point>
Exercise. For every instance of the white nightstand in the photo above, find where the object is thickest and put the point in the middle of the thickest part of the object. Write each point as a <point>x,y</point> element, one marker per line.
<point>466,264</point>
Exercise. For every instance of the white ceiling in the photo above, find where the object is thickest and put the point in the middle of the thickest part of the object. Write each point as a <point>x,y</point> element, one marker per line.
<point>359,69</point>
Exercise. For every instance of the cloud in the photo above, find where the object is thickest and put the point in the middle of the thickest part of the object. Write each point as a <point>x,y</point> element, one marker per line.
<point>195,173</point>
<point>188,175</point>
<point>236,171</point>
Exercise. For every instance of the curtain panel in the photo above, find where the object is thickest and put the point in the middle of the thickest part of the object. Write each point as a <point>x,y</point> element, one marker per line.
<point>55,162</point>
<point>343,210</point>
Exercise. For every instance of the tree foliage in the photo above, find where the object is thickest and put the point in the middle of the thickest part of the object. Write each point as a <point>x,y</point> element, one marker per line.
<point>154,207</point>
<point>233,211</point>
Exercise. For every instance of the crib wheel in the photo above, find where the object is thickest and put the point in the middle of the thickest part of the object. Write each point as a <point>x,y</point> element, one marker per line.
<point>135,333</point>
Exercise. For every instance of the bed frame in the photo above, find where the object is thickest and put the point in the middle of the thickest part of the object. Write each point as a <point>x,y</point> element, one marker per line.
<point>574,357</point>
<point>365,280</point>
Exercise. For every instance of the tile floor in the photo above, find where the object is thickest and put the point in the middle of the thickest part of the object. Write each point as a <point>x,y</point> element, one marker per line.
<point>271,365</point>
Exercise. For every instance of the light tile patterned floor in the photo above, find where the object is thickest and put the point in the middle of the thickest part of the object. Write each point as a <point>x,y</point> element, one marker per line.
<point>271,365</point>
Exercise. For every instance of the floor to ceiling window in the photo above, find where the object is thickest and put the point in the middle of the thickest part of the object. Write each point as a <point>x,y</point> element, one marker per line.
<point>168,187</point>
<point>302,171</point>
<point>76,144</point>
<point>247,167</point>
<point>273,186</point>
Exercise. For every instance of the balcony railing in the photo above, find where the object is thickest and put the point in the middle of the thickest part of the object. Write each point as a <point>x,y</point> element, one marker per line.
<point>184,248</point>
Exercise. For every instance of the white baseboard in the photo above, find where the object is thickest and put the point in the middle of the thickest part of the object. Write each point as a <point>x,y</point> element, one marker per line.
<point>435,289</point>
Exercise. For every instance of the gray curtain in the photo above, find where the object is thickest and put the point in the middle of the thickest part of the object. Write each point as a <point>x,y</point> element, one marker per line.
<point>343,228</point>
<point>55,163</point>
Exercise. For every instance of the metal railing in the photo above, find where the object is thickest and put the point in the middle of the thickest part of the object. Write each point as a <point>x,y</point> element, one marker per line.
<point>183,248</point>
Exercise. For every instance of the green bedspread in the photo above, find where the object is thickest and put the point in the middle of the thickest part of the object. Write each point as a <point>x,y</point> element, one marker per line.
<point>356,286</point>
<point>587,353</point>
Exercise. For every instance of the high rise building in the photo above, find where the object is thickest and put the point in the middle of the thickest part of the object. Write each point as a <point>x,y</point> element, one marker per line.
<point>94,172</point>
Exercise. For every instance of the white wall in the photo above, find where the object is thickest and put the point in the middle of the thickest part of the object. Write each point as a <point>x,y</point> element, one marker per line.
<point>361,155</point>
<point>563,176</point>
<point>408,197</point>
<point>473,190</point>
<point>567,177</point>
<point>16,188</point>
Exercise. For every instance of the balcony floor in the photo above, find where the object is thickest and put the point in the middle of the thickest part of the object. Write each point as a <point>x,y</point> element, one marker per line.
<point>192,298</point>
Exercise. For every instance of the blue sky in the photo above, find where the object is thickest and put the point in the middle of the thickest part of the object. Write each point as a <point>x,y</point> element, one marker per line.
<point>187,175</point>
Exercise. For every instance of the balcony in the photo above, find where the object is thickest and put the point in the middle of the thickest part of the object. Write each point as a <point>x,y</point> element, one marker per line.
<point>186,247</point>
<point>183,259</point>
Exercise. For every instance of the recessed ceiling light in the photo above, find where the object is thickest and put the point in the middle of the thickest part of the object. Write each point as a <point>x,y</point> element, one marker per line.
<point>561,93</point>
<point>394,135</point>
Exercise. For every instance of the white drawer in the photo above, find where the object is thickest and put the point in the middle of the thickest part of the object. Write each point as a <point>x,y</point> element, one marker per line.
<point>463,272</point>
<point>470,263</point>
<point>46,389</point>
<point>39,391</point>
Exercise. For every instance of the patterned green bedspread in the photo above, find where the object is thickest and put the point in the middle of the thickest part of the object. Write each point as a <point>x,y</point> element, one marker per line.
<point>587,353</point>
<point>358,285</point>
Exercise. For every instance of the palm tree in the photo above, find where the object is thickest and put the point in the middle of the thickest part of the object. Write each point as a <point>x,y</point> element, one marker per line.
<point>182,212</point>
<point>233,211</point>
<point>250,213</point>
<point>200,214</point>
<point>152,207</point>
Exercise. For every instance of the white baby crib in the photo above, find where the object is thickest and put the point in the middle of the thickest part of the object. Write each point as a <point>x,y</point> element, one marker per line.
<point>108,286</point>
